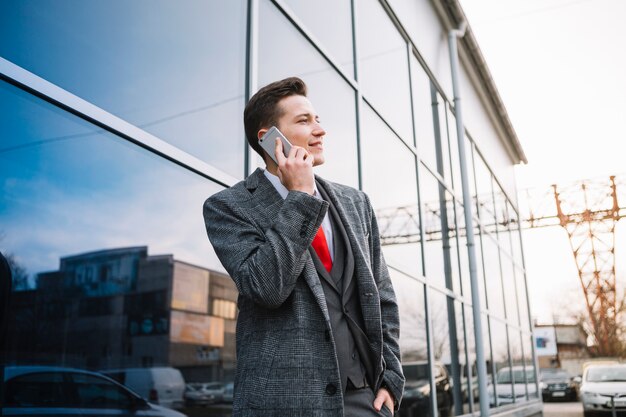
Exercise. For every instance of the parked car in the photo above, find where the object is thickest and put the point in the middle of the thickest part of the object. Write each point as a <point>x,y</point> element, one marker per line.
<point>601,385</point>
<point>194,397</point>
<point>160,385</point>
<point>416,397</point>
<point>47,390</point>
<point>203,393</point>
<point>228,392</point>
<point>557,384</point>
<point>512,385</point>
<point>215,390</point>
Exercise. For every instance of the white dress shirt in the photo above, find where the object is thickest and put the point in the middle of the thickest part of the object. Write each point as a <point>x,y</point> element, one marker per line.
<point>326,226</point>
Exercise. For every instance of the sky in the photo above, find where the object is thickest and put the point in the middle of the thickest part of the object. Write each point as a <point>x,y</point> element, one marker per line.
<point>559,66</point>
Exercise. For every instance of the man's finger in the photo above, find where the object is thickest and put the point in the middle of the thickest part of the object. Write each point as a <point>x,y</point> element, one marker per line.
<point>278,151</point>
<point>293,152</point>
<point>379,401</point>
<point>301,153</point>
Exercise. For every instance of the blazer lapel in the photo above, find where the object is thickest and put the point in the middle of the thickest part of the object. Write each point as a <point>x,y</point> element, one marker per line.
<point>268,201</point>
<point>268,204</point>
<point>321,269</point>
<point>362,267</point>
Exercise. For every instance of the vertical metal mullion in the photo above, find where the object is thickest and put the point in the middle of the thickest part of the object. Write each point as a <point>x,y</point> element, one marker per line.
<point>358,95</point>
<point>502,295</point>
<point>434,410</point>
<point>408,58</point>
<point>514,276</point>
<point>447,266</point>
<point>529,313</point>
<point>252,49</point>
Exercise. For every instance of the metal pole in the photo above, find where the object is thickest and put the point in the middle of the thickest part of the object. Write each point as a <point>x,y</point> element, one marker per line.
<point>467,206</point>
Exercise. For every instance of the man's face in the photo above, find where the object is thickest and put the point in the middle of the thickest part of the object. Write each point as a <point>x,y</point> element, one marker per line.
<point>300,125</point>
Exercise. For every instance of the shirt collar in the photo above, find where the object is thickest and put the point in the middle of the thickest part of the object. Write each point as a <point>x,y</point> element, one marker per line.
<point>282,190</point>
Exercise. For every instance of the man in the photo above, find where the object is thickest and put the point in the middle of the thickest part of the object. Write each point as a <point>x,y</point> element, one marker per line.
<point>318,326</point>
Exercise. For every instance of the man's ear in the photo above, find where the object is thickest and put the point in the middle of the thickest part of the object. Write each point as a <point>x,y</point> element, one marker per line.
<point>261,132</point>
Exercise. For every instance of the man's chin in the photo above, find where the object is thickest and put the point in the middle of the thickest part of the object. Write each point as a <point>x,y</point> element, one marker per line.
<point>319,160</point>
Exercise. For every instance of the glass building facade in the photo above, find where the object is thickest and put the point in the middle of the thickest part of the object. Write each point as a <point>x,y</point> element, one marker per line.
<point>118,119</point>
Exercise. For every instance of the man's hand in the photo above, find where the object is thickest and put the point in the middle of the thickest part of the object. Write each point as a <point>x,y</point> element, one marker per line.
<point>296,170</point>
<point>383,397</point>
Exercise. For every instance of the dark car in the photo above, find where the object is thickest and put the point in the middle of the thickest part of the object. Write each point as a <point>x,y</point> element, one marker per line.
<point>557,384</point>
<point>47,390</point>
<point>416,397</point>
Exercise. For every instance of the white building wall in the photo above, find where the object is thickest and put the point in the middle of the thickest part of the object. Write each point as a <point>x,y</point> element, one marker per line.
<point>423,24</point>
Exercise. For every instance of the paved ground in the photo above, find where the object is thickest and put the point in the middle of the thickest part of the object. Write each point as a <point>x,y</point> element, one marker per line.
<point>551,409</point>
<point>554,409</point>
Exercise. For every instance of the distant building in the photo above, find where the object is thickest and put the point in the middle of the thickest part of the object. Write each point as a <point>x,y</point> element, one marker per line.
<point>562,346</point>
<point>121,308</point>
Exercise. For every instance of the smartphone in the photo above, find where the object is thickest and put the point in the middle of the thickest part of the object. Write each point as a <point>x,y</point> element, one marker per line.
<point>268,142</point>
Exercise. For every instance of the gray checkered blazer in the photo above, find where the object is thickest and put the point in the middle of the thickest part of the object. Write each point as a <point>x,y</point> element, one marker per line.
<point>286,359</point>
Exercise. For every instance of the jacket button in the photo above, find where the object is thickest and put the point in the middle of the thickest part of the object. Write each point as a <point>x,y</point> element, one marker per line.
<point>327,335</point>
<point>353,355</point>
<point>331,389</point>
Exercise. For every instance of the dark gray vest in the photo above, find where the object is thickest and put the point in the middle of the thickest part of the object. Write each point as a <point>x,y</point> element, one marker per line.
<point>344,308</point>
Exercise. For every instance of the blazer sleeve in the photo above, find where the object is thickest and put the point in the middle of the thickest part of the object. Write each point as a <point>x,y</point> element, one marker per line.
<point>264,264</point>
<point>393,377</point>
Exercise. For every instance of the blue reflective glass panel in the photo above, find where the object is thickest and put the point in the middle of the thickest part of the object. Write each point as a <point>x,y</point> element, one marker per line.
<point>176,70</point>
<point>102,236</point>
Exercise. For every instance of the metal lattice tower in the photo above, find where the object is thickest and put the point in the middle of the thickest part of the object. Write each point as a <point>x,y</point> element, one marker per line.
<point>588,210</point>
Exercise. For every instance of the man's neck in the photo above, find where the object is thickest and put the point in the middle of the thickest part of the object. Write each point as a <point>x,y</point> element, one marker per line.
<point>272,168</point>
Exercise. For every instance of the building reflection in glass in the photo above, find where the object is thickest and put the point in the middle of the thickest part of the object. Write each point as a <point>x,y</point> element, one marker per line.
<point>122,308</point>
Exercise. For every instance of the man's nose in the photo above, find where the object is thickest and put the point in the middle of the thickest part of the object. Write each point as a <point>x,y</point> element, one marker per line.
<point>319,130</point>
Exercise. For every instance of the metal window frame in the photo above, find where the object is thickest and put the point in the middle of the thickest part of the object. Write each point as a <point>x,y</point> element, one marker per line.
<point>57,96</point>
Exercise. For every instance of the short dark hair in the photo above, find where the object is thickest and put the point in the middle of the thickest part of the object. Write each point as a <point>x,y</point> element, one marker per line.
<point>262,109</point>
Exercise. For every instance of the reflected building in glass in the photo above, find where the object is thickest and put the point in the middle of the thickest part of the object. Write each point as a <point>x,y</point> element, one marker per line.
<point>118,120</point>
<point>121,308</point>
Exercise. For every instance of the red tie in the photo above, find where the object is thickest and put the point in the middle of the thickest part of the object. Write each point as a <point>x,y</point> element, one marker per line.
<point>321,248</point>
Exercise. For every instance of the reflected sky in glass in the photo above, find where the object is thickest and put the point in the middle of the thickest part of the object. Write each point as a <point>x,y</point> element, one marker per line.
<point>178,72</point>
<point>410,296</point>
<point>433,246</point>
<point>521,296</point>
<point>454,150</point>
<point>480,271</point>
<point>423,113</point>
<point>67,187</point>
<point>493,276</point>
<point>383,67</point>
<point>332,98</point>
<point>330,21</point>
<point>389,178</point>
<point>499,344</point>
<point>510,290</point>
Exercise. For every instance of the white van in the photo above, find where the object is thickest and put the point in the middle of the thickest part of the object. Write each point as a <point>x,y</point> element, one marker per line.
<point>159,385</point>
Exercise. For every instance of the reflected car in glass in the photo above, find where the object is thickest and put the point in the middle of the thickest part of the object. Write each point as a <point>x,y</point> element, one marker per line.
<point>416,397</point>
<point>557,384</point>
<point>512,385</point>
<point>196,398</point>
<point>212,391</point>
<point>161,385</point>
<point>47,390</point>
<point>229,390</point>
<point>603,387</point>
